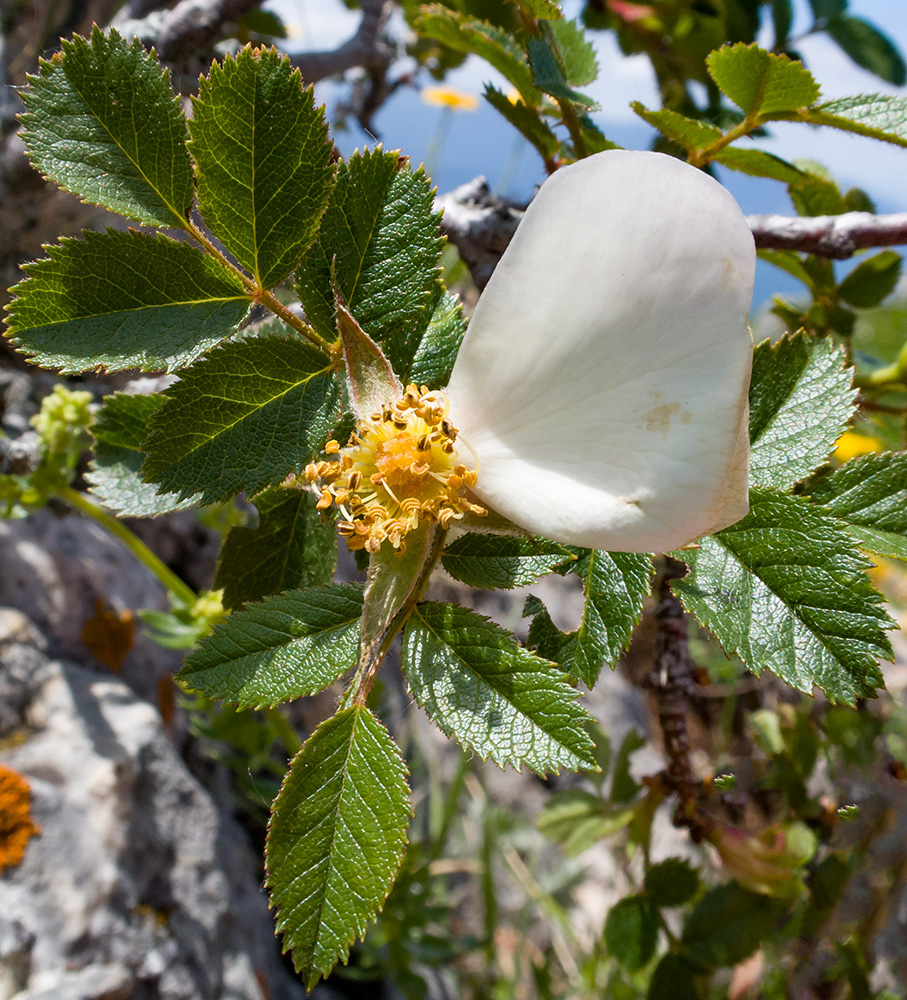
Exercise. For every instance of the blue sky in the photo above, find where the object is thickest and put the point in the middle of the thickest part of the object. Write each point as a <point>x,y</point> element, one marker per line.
<point>481,142</point>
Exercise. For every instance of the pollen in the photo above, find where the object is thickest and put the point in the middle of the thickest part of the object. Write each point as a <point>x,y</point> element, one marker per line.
<point>401,468</point>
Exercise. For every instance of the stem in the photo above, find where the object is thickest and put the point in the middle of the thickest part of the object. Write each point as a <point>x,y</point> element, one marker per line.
<point>260,294</point>
<point>570,119</point>
<point>137,547</point>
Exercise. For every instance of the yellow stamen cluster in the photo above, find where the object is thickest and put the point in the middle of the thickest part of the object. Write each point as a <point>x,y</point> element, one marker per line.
<point>399,469</point>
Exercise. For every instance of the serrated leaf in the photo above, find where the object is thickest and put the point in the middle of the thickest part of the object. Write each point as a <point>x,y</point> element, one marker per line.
<point>576,53</point>
<point>103,123</point>
<point>758,163</point>
<point>671,882</point>
<point>380,239</point>
<point>878,116</point>
<point>495,697</point>
<point>471,35</point>
<point>115,474</point>
<point>801,400</point>
<point>872,280</point>
<point>548,74</point>
<point>868,47</point>
<point>501,561</point>
<point>786,590</point>
<point>264,161</point>
<point>869,496</point>
<point>615,585</point>
<point>284,647</point>
<point>526,121</point>
<point>242,419</point>
<point>673,979</point>
<point>817,196</point>
<point>761,83</point>
<point>542,8</point>
<point>439,344</point>
<point>727,925</point>
<point>687,132</point>
<point>336,838</point>
<point>292,547</point>
<point>631,931</point>
<point>123,300</point>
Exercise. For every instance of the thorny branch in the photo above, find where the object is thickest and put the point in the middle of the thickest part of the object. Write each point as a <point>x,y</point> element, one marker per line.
<point>481,224</point>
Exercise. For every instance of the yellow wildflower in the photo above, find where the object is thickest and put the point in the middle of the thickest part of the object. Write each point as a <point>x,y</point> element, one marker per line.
<point>852,445</point>
<point>448,97</point>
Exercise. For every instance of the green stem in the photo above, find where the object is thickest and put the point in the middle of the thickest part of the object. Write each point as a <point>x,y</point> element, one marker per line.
<point>137,547</point>
<point>571,120</point>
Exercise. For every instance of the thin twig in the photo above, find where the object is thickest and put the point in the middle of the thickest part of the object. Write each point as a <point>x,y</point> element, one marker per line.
<point>836,236</point>
<point>363,49</point>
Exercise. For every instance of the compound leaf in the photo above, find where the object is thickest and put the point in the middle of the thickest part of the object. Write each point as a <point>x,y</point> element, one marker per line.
<point>336,838</point>
<point>495,697</point>
<point>242,419</point>
<point>285,647</point>
<point>102,122</point>
<point>124,300</point>
<point>293,546</point>
<point>801,400</point>
<point>786,590</point>
<point>264,161</point>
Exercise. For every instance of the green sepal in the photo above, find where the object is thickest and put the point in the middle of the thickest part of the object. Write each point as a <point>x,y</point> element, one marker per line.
<point>284,647</point>
<point>502,561</point>
<point>120,300</point>
<point>786,590</point>
<point>263,160</point>
<point>492,695</point>
<point>101,121</point>
<point>293,546</point>
<point>336,838</point>
<point>242,419</point>
<point>115,473</point>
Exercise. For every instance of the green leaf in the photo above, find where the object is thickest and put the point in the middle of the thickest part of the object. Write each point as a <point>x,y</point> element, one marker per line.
<point>869,496</point>
<point>264,161</point>
<point>782,20</point>
<point>103,123</point>
<point>496,698</point>
<point>439,344</point>
<point>801,401</point>
<point>878,116</point>
<point>869,48</point>
<point>673,979</point>
<point>761,83</point>
<point>468,34</point>
<point>242,419</point>
<point>631,932</point>
<point>727,925</point>
<point>123,300</point>
<point>825,9</point>
<point>786,590</point>
<point>789,262</point>
<point>285,647</point>
<point>872,280</point>
<point>336,838</point>
<point>615,584</point>
<point>542,8</point>
<point>526,121</point>
<point>501,561</point>
<point>380,239</point>
<point>817,196</point>
<point>686,132</point>
<point>672,882</point>
<point>293,546</point>
<point>119,430</point>
<point>577,819</point>
<point>576,53</point>
<point>548,74</point>
<point>758,163</point>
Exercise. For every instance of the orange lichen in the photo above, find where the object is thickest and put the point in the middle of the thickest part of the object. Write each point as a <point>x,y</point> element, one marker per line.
<point>16,826</point>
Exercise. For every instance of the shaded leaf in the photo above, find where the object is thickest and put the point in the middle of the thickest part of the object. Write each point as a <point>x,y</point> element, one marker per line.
<point>264,161</point>
<point>242,419</point>
<point>496,698</point>
<point>501,561</point>
<point>673,979</point>
<point>672,882</point>
<point>292,547</point>
<point>801,400</point>
<point>124,300</point>
<point>285,647</point>
<point>868,47</point>
<point>440,343</point>
<point>548,74</point>
<point>631,931</point>
<point>786,590</point>
<point>102,122</point>
<point>872,280</point>
<point>336,838</point>
<point>727,925</point>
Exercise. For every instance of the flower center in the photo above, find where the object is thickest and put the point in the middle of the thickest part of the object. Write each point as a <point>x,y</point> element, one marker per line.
<point>400,469</point>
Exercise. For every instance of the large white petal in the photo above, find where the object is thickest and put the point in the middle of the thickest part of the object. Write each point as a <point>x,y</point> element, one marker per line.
<point>603,379</point>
